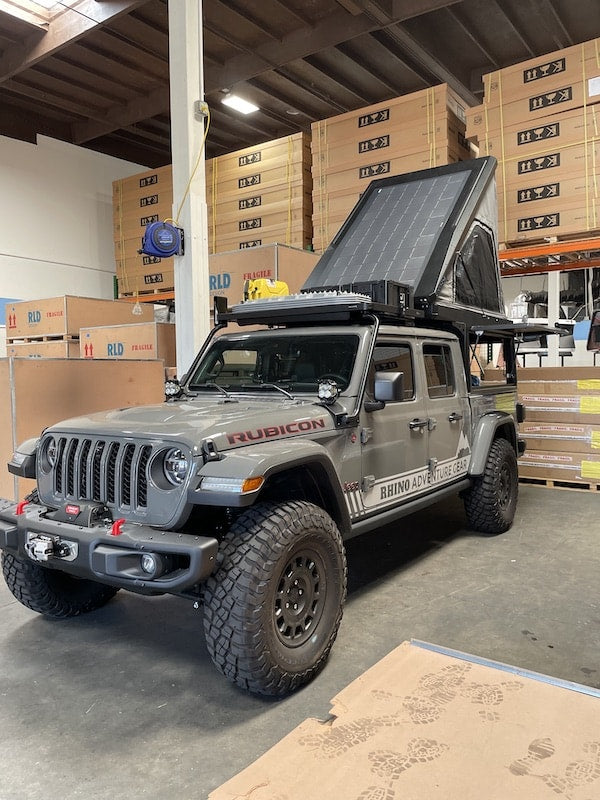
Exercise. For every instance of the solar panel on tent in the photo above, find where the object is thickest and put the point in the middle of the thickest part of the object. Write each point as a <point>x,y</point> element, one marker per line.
<point>432,231</point>
<point>395,234</point>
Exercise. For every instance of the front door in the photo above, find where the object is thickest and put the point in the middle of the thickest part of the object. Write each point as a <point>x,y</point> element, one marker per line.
<point>395,438</point>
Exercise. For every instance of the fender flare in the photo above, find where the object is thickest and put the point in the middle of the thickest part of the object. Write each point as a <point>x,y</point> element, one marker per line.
<point>485,433</point>
<point>268,460</point>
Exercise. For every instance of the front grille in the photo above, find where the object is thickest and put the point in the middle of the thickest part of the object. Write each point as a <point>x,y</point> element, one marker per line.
<point>102,471</point>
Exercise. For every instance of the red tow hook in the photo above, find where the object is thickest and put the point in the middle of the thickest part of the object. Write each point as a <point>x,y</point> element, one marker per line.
<point>21,507</point>
<point>116,527</point>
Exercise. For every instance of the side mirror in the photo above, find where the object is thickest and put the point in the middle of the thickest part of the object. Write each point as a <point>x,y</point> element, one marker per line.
<point>389,387</point>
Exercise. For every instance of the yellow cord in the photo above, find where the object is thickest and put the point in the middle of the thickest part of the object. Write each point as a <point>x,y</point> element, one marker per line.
<point>196,165</point>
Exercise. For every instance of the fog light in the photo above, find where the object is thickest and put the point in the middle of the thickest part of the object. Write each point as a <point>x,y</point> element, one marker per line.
<point>150,564</point>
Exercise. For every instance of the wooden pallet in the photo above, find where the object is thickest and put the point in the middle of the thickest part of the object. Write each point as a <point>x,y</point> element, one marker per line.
<point>146,293</point>
<point>576,486</point>
<point>42,338</point>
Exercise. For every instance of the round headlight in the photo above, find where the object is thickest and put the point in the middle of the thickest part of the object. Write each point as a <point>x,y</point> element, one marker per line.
<point>49,454</point>
<point>176,466</point>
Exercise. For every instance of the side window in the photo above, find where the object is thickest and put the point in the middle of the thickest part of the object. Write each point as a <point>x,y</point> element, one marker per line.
<point>438,370</point>
<point>393,358</point>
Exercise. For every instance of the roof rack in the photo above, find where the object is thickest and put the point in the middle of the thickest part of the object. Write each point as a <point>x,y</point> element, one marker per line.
<point>388,300</point>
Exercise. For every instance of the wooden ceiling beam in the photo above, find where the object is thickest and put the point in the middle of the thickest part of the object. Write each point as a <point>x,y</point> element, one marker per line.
<point>337,27</point>
<point>64,29</point>
<point>420,55</point>
<point>20,122</point>
<point>123,115</point>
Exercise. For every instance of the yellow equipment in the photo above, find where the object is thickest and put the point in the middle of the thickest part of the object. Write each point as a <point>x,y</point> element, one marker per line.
<point>260,288</point>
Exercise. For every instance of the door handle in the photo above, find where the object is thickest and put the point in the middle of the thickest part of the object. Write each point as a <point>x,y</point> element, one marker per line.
<point>418,424</point>
<point>454,417</point>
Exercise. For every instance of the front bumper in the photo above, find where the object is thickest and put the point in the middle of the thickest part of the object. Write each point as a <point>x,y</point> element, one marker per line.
<point>97,554</point>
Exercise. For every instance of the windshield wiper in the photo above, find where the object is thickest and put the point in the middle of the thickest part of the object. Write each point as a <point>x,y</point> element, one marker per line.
<point>268,386</point>
<point>212,385</point>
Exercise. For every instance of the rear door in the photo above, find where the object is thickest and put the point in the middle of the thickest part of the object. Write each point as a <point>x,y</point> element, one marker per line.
<point>448,411</point>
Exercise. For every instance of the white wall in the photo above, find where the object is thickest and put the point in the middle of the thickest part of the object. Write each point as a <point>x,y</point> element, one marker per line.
<point>56,217</point>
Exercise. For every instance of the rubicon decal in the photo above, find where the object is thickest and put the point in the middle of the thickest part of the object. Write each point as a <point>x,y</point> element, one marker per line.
<point>273,431</point>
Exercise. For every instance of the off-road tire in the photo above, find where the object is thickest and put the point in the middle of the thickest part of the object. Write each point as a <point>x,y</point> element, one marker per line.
<point>491,502</point>
<point>273,608</point>
<point>50,592</point>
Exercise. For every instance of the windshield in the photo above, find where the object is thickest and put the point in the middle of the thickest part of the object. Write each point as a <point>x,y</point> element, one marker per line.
<point>294,362</point>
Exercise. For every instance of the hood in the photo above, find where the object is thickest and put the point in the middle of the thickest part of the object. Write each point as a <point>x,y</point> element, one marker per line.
<point>227,424</point>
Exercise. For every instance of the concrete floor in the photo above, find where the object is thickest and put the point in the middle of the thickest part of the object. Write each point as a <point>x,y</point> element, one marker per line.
<point>125,703</point>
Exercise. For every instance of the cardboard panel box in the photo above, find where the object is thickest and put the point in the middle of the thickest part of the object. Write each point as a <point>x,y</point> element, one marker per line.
<point>36,392</point>
<point>144,340</point>
<point>553,130</point>
<point>576,65</point>
<point>430,723</point>
<point>275,261</point>
<point>568,467</point>
<point>59,348</point>
<point>64,316</point>
<point>554,437</point>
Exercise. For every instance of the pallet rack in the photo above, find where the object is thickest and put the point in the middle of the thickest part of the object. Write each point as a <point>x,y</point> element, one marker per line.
<point>550,256</point>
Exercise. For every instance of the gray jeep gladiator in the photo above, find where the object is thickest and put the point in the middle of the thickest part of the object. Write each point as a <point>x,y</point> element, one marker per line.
<point>304,421</point>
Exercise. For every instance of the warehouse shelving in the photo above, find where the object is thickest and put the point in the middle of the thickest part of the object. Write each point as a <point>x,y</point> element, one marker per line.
<point>550,256</point>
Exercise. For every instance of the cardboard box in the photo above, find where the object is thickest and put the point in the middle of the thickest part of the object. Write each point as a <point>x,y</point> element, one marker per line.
<point>229,270</point>
<point>426,722</point>
<point>545,222</point>
<point>560,381</point>
<point>537,105</point>
<point>409,109</point>
<point>64,316</point>
<point>299,236</point>
<point>578,126</point>
<point>554,437</point>
<point>36,392</point>
<point>144,340</point>
<point>249,221</point>
<point>59,348</point>
<point>145,275</point>
<point>132,221</point>
<point>264,176</point>
<point>158,178</point>
<point>276,152</point>
<point>236,211</point>
<point>335,155</point>
<point>568,467</point>
<point>576,65</point>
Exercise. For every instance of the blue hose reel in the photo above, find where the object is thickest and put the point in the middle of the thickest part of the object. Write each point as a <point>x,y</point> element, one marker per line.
<point>163,240</point>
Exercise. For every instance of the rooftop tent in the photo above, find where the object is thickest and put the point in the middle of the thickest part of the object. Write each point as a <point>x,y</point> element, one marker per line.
<point>434,231</point>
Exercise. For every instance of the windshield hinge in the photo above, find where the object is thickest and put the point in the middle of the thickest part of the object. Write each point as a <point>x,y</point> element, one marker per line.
<point>365,435</point>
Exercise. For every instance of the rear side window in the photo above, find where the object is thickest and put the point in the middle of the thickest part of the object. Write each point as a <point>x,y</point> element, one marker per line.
<point>438,370</point>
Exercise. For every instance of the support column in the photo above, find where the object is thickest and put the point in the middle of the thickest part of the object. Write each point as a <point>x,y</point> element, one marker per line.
<point>192,311</point>
<point>553,316</point>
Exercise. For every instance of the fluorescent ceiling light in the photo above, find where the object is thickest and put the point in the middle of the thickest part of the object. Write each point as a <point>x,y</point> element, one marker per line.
<point>237,103</point>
